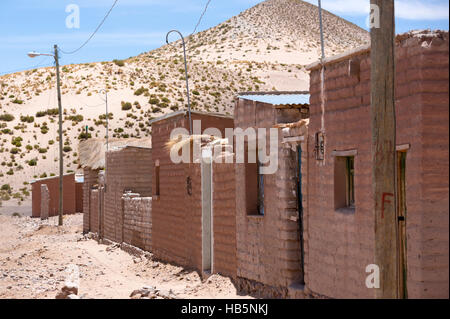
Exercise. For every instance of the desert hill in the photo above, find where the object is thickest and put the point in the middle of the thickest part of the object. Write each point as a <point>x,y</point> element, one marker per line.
<point>264,48</point>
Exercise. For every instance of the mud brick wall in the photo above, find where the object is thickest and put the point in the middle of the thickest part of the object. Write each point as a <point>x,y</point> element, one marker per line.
<point>69,195</point>
<point>127,169</point>
<point>90,179</point>
<point>176,233</point>
<point>224,219</point>
<point>340,245</point>
<point>268,247</point>
<point>137,223</point>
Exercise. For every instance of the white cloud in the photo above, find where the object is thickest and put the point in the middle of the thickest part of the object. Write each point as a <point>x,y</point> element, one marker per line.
<point>404,9</point>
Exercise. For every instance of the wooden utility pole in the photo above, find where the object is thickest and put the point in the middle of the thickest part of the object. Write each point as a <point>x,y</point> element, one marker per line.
<point>61,167</point>
<point>384,146</point>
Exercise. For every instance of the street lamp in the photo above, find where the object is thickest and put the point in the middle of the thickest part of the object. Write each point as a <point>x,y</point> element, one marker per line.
<point>107,116</point>
<point>187,78</point>
<point>61,167</point>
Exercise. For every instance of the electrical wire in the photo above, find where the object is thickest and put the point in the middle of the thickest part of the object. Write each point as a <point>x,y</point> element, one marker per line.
<point>93,34</point>
<point>198,23</point>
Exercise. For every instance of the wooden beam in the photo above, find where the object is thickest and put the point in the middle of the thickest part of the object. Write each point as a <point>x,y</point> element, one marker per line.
<point>294,139</point>
<point>345,153</point>
<point>384,149</point>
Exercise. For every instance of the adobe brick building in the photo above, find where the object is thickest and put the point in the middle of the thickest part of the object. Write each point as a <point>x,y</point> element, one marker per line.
<point>72,195</point>
<point>186,229</point>
<point>269,206</point>
<point>339,233</point>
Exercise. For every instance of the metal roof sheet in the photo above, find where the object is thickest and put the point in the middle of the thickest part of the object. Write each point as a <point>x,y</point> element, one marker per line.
<point>278,99</point>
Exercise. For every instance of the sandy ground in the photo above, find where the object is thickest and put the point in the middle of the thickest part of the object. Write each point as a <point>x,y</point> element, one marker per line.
<point>35,257</point>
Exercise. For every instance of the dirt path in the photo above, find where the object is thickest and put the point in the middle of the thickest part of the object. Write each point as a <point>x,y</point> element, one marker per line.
<point>35,256</point>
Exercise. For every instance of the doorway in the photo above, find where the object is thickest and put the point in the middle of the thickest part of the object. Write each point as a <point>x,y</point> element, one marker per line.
<point>300,212</point>
<point>207,225</point>
<point>402,212</point>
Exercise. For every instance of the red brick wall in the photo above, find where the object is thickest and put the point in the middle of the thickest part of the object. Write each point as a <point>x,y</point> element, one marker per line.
<point>79,197</point>
<point>90,179</point>
<point>340,245</point>
<point>69,195</point>
<point>176,232</point>
<point>127,169</point>
<point>94,211</point>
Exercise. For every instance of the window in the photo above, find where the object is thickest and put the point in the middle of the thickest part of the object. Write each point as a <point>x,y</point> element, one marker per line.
<point>344,182</point>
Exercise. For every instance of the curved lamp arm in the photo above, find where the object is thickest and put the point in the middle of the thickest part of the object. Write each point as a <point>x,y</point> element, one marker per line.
<point>107,116</point>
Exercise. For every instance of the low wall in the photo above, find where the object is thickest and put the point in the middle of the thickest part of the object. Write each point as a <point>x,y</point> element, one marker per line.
<point>69,195</point>
<point>45,199</point>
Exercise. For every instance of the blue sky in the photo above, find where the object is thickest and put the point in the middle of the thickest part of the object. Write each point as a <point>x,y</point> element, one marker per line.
<point>136,26</point>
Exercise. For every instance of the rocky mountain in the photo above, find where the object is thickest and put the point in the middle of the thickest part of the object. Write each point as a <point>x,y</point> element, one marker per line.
<point>264,48</point>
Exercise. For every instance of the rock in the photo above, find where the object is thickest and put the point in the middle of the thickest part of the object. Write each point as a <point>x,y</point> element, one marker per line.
<point>146,291</point>
<point>72,296</point>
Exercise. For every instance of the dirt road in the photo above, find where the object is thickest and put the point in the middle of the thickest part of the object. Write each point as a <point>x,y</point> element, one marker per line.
<point>35,257</point>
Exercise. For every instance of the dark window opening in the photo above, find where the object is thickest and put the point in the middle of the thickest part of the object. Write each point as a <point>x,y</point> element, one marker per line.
<point>254,186</point>
<point>344,182</point>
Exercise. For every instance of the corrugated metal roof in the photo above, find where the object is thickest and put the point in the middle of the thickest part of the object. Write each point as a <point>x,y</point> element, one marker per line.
<point>278,99</point>
<point>52,177</point>
<point>184,112</point>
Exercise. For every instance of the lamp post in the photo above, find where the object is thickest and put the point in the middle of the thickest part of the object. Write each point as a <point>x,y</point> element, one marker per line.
<point>187,78</point>
<point>107,116</point>
<point>61,167</point>
<point>321,31</point>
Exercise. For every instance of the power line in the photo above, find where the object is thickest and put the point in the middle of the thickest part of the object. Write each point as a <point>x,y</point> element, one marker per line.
<point>93,34</point>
